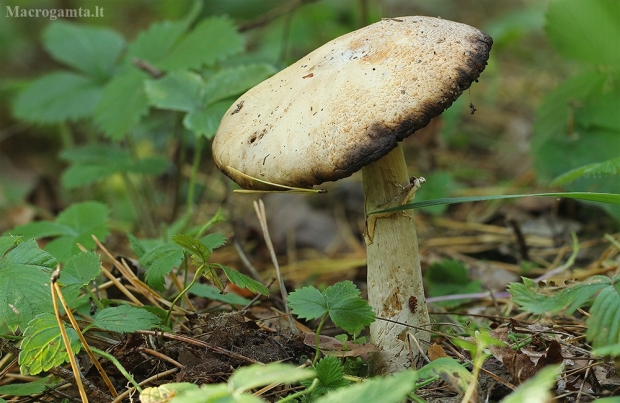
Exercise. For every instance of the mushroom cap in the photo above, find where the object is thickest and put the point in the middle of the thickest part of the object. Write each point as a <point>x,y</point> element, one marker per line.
<point>349,102</point>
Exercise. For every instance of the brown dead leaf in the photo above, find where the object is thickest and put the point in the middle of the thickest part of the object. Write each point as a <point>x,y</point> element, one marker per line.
<point>435,351</point>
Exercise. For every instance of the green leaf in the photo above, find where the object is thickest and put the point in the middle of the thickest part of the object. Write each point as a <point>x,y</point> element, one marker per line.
<point>160,261</point>
<point>448,369</point>
<point>138,247</point>
<point>604,321</point>
<point>200,252</point>
<point>250,377</point>
<point>536,389</point>
<point>24,281</point>
<point>604,168</point>
<point>28,389</point>
<point>307,303</point>
<point>177,91</point>
<point>56,98</point>
<point>438,185</point>
<point>242,281</point>
<point>235,80</point>
<point>123,103</point>
<point>612,350</point>
<point>585,30</point>
<point>391,389</point>
<point>214,240</point>
<point>341,301</point>
<point>204,122</point>
<point>533,299</point>
<point>125,319</point>
<point>449,277</point>
<point>347,309</point>
<point>212,293</point>
<point>93,50</point>
<point>330,372</point>
<point>153,44</point>
<point>43,347</point>
<point>79,270</point>
<point>610,198</point>
<point>215,393</point>
<point>212,41</point>
<point>75,225</point>
<point>95,162</point>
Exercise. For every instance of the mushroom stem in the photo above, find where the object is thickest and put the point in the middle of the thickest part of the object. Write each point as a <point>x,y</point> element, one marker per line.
<point>394,273</point>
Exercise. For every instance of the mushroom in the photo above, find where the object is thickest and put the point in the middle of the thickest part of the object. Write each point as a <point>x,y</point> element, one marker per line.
<point>346,106</point>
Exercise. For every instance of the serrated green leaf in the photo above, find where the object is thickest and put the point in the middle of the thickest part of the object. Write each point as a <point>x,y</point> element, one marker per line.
<point>204,122</point>
<point>200,252</point>
<point>586,31</point>
<point>214,240</point>
<point>138,247</point>
<point>235,80</point>
<point>160,261</point>
<point>95,162</point>
<point>125,319</point>
<point>536,389</point>
<point>604,321</point>
<point>28,389</point>
<point>123,103</point>
<point>307,303</point>
<point>246,378</point>
<point>153,44</point>
<point>24,282</point>
<point>79,270</point>
<point>213,40</point>
<point>56,98</point>
<point>532,299</point>
<point>212,293</point>
<point>330,372</point>
<point>93,50</point>
<point>347,309</point>
<point>242,281</point>
<point>43,347</point>
<point>604,168</point>
<point>75,225</point>
<point>177,91</point>
<point>391,389</point>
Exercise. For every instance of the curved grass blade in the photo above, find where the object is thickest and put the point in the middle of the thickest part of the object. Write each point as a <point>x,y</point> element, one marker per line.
<point>277,188</point>
<point>610,198</point>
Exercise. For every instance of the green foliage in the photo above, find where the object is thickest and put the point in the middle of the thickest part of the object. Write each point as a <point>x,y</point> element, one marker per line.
<point>330,375</point>
<point>239,383</point>
<point>341,301</point>
<point>449,277</point>
<point>213,294</point>
<point>604,321</point>
<point>186,91</point>
<point>536,389</point>
<point>391,389</point>
<point>27,389</point>
<point>125,319</point>
<point>25,272</point>
<point>95,162</point>
<point>604,168</point>
<point>579,118</point>
<point>43,347</point>
<point>79,271</point>
<point>76,225</point>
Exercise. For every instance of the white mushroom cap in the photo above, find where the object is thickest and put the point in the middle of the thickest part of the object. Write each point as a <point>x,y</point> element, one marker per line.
<point>349,102</point>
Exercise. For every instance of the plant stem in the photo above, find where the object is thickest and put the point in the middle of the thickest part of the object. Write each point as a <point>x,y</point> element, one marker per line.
<point>118,365</point>
<point>306,391</point>
<point>196,276</point>
<point>317,336</point>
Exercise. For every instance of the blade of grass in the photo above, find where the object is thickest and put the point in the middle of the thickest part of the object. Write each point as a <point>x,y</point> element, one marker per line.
<point>609,198</point>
